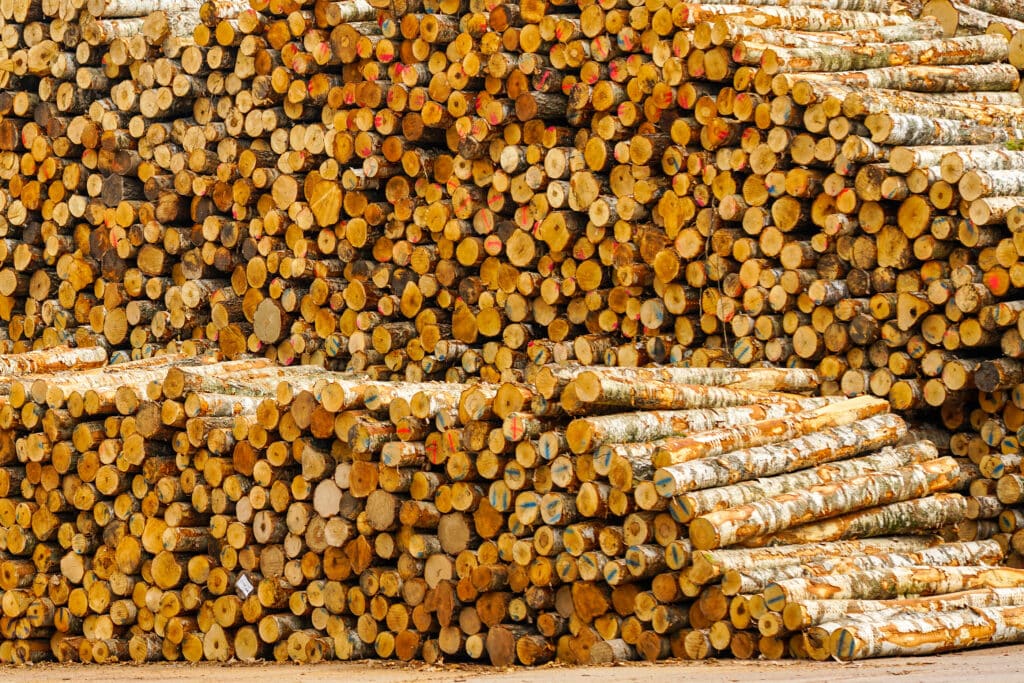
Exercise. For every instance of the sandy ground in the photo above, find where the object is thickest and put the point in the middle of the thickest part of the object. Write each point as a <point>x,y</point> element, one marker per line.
<point>992,665</point>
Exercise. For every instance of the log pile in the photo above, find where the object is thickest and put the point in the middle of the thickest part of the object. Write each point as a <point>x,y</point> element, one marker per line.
<point>177,508</point>
<point>439,191</point>
<point>432,190</point>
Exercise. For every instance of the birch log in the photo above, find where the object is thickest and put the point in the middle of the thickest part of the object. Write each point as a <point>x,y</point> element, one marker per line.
<point>801,614</point>
<point>911,516</point>
<point>588,433</point>
<point>917,634</point>
<point>709,500</point>
<point>723,440</point>
<point>733,525</point>
<point>882,584</point>
<point>708,565</point>
<point>966,50</point>
<point>827,445</point>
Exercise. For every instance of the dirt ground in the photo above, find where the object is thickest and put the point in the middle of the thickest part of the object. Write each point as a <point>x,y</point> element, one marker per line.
<point>990,665</point>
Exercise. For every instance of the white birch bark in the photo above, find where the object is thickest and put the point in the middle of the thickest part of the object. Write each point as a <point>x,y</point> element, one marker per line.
<point>922,515</point>
<point>733,525</point>
<point>916,634</point>
<point>588,433</point>
<point>702,502</point>
<point>830,444</point>
<point>804,613</point>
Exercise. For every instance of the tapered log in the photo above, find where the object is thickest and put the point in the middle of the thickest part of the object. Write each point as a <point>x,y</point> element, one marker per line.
<point>804,613</point>
<point>709,500</point>
<point>914,634</point>
<point>726,527</point>
<point>827,445</point>
<point>720,441</point>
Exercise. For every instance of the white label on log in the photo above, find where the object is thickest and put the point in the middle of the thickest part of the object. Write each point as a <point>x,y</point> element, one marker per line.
<point>244,585</point>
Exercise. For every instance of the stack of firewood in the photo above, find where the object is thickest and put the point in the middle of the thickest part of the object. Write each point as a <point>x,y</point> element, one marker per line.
<point>180,508</point>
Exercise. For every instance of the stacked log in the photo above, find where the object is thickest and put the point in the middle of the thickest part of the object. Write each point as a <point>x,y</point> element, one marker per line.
<point>446,192</point>
<point>179,508</point>
<point>511,193</point>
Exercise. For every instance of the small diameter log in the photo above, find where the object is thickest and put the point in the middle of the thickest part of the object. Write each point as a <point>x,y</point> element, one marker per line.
<point>599,390</point>
<point>588,433</point>
<point>708,565</point>
<point>963,50</point>
<point>881,584</point>
<point>749,379</point>
<point>800,614</point>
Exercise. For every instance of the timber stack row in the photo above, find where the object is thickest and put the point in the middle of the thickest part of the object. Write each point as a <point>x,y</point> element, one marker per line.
<point>176,508</point>
<point>438,189</point>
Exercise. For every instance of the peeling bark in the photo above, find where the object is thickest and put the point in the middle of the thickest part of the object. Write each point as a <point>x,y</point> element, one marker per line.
<point>922,515</point>
<point>830,444</point>
<point>736,524</point>
<point>706,501</point>
<point>718,441</point>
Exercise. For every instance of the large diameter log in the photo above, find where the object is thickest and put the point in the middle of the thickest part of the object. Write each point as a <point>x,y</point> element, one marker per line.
<point>730,526</point>
<point>912,129</point>
<point>800,614</point>
<point>750,379</point>
<point>716,499</point>
<point>712,443</point>
<point>588,433</point>
<point>910,516</point>
<point>963,50</point>
<point>917,634</point>
<point>708,565</point>
<point>827,445</point>
<point>593,389</point>
<point>891,582</point>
